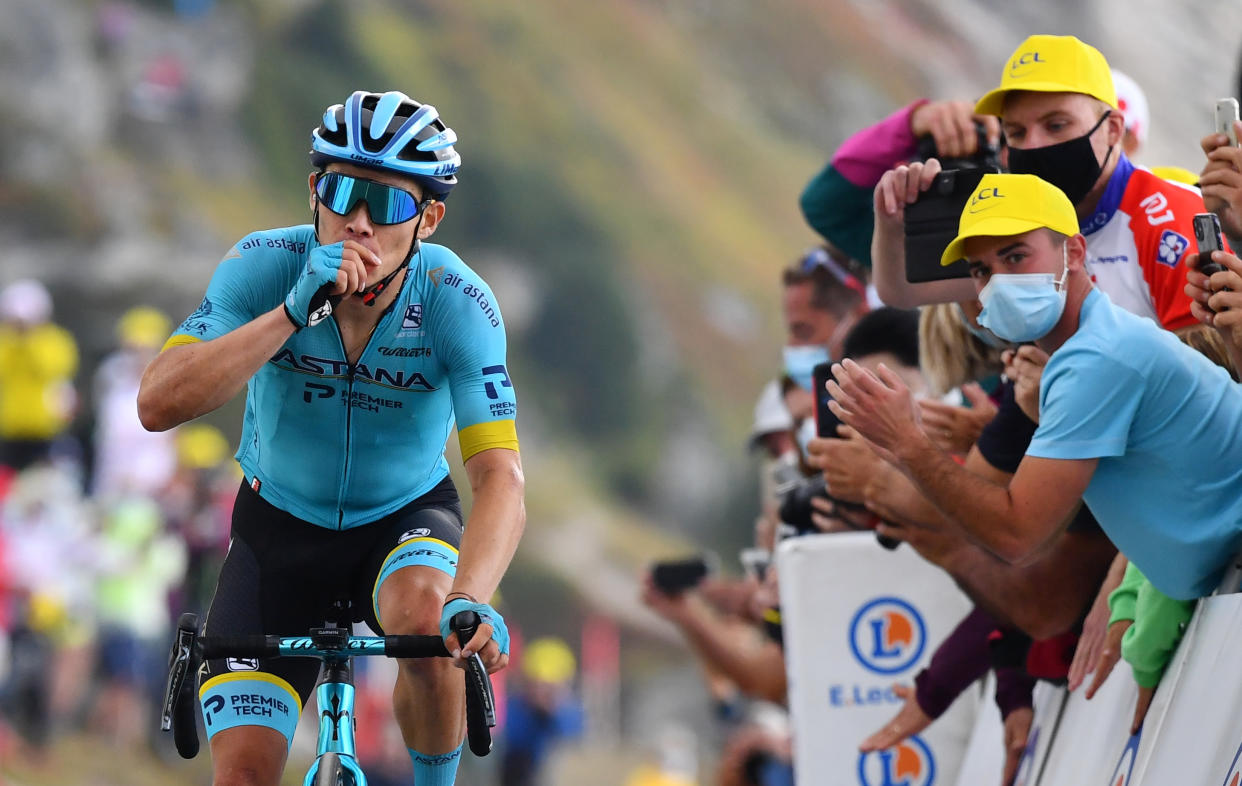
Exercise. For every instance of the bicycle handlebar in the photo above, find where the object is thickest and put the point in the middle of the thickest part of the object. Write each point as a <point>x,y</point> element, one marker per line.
<point>189,650</point>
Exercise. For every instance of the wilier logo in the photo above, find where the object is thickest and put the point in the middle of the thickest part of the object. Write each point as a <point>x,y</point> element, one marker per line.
<point>908,763</point>
<point>887,635</point>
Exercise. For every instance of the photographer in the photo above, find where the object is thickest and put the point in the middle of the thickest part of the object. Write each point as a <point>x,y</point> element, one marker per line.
<point>1061,121</point>
<point>837,201</point>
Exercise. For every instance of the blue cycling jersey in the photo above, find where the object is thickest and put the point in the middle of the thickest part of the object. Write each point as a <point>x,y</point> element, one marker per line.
<point>341,444</point>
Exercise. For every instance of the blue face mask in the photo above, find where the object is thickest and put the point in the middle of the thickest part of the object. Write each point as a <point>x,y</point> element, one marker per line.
<point>1023,306</point>
<point>800,362</point>
<point>986,336</point>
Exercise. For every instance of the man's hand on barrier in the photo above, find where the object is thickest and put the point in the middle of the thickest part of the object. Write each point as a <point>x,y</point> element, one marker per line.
<point>1017,729</point>
<point>1025,366</point>
<point>1095,626</point>
<point>1221,182</point>
<point>956,429</point>
<point>910,719</point>
<point>952,125</point>
<point>1110,653</point>
<point>1141,706</point>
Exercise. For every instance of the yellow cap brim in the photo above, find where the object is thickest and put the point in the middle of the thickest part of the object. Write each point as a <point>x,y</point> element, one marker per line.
<point>988,227</point>
<point>993,102</point>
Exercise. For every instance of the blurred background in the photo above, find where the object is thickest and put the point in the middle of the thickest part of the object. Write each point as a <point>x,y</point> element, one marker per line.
<point>630,183</point>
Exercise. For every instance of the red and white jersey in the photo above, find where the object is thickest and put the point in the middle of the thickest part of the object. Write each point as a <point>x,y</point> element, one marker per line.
<point>1137,240</point>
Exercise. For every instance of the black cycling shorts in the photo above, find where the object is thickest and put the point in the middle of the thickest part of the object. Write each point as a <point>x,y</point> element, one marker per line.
<point>282,575</point>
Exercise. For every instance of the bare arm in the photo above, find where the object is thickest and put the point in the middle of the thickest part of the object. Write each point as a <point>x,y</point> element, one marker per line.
<point>1042,599</point>
<point>897,188</point>
<point>495,524</point>
<point>1012,521</point>
<point>186,381</point>
<point>757,669</point>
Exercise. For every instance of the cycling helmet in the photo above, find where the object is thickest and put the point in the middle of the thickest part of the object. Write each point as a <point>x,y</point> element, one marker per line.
<point>389,131</point>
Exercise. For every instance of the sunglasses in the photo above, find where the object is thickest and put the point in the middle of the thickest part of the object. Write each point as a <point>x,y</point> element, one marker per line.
<point>385,204</point>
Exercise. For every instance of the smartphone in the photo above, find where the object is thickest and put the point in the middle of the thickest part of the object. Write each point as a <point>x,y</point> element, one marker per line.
<point>1207,235</point>
<point>825,421</point>
<point>674,577</point>
<point>1226,116</point>
<point>931,224</point>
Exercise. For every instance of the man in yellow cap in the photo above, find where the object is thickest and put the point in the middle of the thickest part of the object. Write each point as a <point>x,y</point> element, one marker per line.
<point>1126,410</point>
<point>1059,110</point>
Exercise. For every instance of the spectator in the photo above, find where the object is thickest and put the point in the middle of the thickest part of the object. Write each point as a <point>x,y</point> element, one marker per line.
<point>129,460</point>
<point>1121,407</point>
<point>542,713</point>
<point>1132,103</point>
<point>1132,260</point>
<point>1149,625</point>
<point>37,362</point>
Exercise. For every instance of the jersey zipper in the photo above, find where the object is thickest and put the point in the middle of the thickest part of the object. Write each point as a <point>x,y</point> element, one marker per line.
<point>349,400</point>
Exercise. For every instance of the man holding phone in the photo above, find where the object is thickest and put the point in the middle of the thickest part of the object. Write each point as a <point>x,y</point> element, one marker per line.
<point>1221,179</point>
<point>1124,408</point>
<point>1059,111</point>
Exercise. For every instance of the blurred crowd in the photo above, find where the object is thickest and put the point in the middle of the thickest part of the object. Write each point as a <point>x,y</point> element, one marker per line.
<point>101,540</point>
<point>1070,610</point>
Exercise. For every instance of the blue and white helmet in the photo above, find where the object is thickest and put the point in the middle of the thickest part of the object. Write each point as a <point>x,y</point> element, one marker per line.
<point>389,131</point>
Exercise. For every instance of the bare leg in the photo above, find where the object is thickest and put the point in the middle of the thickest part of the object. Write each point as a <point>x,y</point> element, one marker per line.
<point>429,697</point>
<point>248,756</point>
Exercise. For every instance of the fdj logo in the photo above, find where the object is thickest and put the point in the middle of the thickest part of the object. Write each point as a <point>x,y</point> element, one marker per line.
<point>1234,776</point>
<point>909,763</point>
<point>887,635</point>
<point>1125,764</point>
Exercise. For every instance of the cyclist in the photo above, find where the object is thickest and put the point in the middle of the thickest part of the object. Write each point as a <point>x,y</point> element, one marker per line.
<point>359,343</point>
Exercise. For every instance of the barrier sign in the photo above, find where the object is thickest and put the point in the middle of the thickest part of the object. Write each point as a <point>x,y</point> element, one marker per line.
<point>858,619</point>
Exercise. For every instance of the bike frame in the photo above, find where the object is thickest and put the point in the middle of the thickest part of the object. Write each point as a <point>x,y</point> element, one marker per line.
<point>334,696</point>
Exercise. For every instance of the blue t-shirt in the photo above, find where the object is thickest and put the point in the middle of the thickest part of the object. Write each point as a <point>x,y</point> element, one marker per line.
<point>340,444</point>
<point>1166,425</point>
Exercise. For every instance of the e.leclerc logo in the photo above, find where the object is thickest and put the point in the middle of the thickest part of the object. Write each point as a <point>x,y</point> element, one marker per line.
<point>887,635</point>
<point>1234,776</point>
<point>908,763</point>
<point>1125,763</point>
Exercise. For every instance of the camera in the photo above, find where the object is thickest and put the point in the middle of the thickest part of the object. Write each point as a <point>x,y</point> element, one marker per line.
<point>986,156</point>
<point>673,577</point>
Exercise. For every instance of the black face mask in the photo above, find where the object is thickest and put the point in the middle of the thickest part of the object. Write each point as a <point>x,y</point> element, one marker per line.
<point>1070,165</point>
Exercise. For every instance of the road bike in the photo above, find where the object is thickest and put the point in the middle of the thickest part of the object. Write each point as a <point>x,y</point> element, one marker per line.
<point>336,761</point>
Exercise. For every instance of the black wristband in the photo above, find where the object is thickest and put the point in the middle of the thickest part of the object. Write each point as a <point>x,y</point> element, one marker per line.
<point>289,315</point>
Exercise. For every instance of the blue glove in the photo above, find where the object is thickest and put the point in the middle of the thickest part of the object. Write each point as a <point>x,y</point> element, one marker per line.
<point>308,303</point>
<point>500,633</point>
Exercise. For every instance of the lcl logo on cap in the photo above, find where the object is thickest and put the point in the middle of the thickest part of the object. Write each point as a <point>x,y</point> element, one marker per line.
<point>984,194</point>
<point>1024,62</point>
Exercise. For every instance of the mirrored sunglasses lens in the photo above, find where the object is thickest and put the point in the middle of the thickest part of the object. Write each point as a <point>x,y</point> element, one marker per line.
<point>339,193</point>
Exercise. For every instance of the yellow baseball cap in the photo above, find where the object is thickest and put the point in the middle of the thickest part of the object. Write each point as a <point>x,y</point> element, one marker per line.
<point>549,659</point>
<point>1053,64</point>
<point>1008,205</point>
<point>143,326</point>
